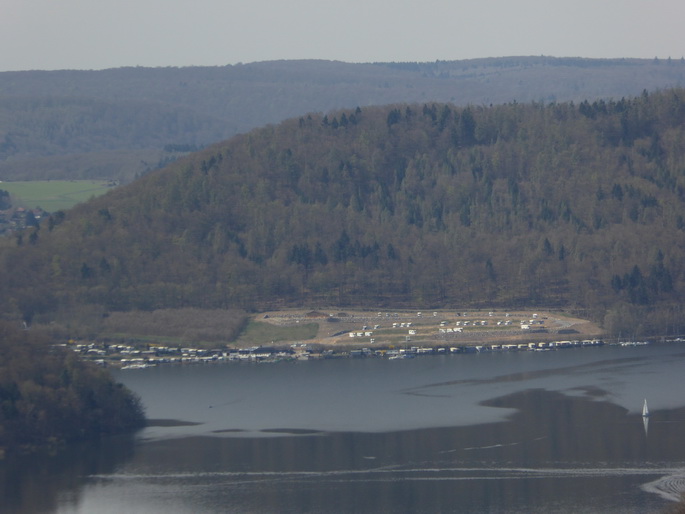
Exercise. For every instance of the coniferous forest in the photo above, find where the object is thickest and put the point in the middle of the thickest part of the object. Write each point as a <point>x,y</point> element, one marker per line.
<point>564,205</point>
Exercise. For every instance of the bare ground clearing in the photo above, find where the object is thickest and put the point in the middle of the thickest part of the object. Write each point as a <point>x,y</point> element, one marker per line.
<point>435,327</point>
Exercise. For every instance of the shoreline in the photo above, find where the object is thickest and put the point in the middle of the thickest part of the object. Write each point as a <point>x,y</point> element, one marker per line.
<point>304,352</point>
<point>364,334</point>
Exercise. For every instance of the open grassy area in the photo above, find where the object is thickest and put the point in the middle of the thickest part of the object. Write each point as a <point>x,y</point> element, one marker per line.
<point>155,340</point>
<point>200,328</point>
<point>54,195</point>
<point>409,327</point>
<point>260,333</point>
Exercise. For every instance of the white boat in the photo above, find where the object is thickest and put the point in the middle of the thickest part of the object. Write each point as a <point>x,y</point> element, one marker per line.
<point>645,409</point>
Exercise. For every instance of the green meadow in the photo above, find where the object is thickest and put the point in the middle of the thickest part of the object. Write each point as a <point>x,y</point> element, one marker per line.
<point>258,332</point>
<point>54,195</point>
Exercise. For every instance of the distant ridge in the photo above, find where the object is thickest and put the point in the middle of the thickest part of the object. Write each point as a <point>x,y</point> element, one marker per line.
<point>121,123</point>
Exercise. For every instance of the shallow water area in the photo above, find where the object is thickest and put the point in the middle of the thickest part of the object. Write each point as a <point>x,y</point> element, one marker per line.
<point>377,395</point>
<point>557,431</point>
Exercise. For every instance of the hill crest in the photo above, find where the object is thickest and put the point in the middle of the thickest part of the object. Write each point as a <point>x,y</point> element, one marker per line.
<point>121,123</point>
<point>424,205</point>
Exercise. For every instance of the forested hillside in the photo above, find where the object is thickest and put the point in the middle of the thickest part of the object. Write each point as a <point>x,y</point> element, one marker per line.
<point>121,123</point>
<point>49,396</point>
<point>422,205</point>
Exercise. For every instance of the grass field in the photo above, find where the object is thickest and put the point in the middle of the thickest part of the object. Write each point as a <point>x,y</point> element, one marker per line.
<point>258,333</point>
<point>54,195</point>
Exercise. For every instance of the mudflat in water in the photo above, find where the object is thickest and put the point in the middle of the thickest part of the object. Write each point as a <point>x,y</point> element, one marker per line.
<point>521,432</point>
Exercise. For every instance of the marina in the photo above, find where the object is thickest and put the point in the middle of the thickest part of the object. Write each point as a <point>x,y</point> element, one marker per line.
<point>522,431</point>
<point>502,431</point>
<point>141,357</point>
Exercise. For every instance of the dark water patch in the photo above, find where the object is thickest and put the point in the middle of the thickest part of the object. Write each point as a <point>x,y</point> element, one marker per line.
<point>493,443</point>
<point>591,367</point>
<point>291,431</point>
<point>170,423</point>
<point>40,483</point>
<point>426,395</point>
<point>546,427</point>
<point>554,454</point>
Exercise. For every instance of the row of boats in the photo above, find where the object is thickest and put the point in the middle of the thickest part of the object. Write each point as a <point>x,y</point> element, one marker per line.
<point>128,357</point>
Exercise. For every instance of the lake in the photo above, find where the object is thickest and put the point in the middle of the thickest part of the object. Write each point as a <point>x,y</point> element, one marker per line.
<point>516,432</point>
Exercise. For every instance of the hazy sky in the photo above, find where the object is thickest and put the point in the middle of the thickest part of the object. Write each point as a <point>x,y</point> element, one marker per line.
<point>96,34</point>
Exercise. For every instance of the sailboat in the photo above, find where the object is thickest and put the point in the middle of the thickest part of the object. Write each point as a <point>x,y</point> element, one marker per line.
<point>645,416</point>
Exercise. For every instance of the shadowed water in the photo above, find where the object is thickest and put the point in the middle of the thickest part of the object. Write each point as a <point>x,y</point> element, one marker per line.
<point>510,432</point>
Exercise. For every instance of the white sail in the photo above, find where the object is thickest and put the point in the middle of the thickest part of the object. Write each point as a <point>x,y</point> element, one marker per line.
<point>645,410</point>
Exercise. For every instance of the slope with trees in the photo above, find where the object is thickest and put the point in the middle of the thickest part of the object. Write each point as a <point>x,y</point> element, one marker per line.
<point>428,205</point>
<point>121,123</point>
<point>49,396</point>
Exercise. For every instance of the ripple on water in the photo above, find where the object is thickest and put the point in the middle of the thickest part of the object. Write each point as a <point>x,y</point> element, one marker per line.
<point>670,487</point>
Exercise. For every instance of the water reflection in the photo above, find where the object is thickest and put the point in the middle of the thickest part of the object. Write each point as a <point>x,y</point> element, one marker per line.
<point>556,454</point>
<point>41,483</point>
<point>540,432</point>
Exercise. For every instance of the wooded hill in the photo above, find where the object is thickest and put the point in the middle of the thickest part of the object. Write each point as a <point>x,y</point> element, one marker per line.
<point>120,123</point>
<point>49,396</point>
<point>424,206</point>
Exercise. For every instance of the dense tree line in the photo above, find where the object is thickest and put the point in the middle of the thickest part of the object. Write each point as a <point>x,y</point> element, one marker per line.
<point>555,204</point>
<point>120,123</point>
<point>49,396</point>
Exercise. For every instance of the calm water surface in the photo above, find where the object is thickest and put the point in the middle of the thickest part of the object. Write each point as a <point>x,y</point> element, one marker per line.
<point>520,432</point>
